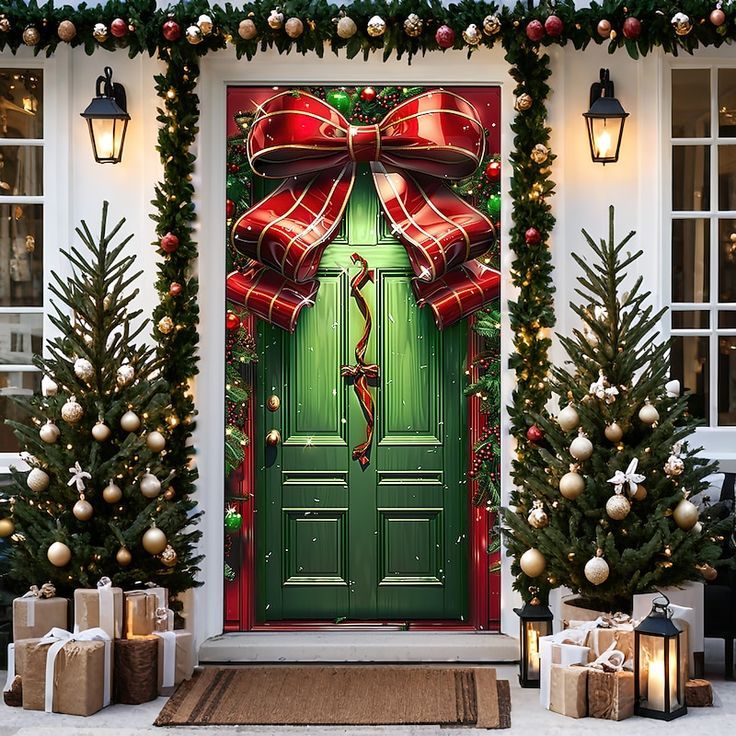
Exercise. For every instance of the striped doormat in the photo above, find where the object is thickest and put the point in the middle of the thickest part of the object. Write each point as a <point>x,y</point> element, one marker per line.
<point>340,695</point>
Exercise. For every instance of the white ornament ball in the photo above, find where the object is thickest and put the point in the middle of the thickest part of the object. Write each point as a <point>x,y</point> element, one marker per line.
<point>155,441</point>
<point>672,388</point>
<point>154,541</point>
<point>596,570</point>
<point>568,418</point>
<point>130,421</point>
<point>686,514</point>
<point>376,26</point>
<point>84,369</point>
<point>101,432</point>
<point>618,507</point>
<point>346,27</point>
<point>59,554</point>
<point>111,493</point>
<point>150,485</point>
<point>572,485</point>
<point>648,414</point>
<point>205,24</point>
<point>49,433</point>
<point>581,448</point>
<point>613,432</point>
<point>125,375</point>
<point>37,480</point>
<point>49,387</point>
<point>532,562</point>
<point>72,411</point>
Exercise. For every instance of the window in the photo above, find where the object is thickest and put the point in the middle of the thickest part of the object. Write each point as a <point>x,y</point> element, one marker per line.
<point>21,239</point>
<point>703,240</point>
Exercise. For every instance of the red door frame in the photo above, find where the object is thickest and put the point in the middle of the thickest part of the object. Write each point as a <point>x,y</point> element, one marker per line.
<point>484,586</point>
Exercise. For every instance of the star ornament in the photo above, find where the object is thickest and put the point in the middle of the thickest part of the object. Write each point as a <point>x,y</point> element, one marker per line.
<point>78,476</point>
<point>630,477</point>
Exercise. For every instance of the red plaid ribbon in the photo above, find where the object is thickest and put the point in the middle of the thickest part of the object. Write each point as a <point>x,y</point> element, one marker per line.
<point>362,371</point>
<point>421,144</point>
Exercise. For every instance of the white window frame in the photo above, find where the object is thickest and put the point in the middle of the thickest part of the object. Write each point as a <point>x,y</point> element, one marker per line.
<point>55,201</point>
<point>719,442</point>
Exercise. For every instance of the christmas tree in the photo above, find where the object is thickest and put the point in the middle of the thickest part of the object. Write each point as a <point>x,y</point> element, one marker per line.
<point>99,498</point>
<point>601,504</point>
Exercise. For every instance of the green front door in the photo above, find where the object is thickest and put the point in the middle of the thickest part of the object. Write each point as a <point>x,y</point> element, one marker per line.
<point>336,540</point>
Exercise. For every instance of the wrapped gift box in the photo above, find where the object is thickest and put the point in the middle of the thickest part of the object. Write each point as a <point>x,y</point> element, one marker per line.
<point>569,690</point>
<point>175,659</point>
<point>556,649</point>
<point>33,617</point>
<point>610,694</point>
<point>141,608</point>
<point>599,640</point>
<point>100,607</point>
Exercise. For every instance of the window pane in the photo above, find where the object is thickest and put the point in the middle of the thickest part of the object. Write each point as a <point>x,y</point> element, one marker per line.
<point>691,178</point>
<point>690,103</point>
<point>21,113</point>
<point>21,170</point>
<point>21,255</point>
<point>727,261</point>
<point>690,320</point>
<point>727,103</point>
<point>727,177</point>
<point>21,335</point>
<point>727,320</point>
<point>690,261</point>
<point>14,384</point>
<point>727,380</point>
<point>689,364</point>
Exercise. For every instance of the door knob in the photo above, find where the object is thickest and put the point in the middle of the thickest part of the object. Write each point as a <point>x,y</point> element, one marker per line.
<point>273,403</point>
<point>273,438</point>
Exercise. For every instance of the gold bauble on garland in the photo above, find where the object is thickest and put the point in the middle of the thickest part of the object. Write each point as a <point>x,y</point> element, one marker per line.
<point>613,432</point>
<point>376,26</point>
<point>193,34</point>
<point>67,31</point>
<point>413,25</point>
<point>6,528</point>
<point>59,554</point>
<point>294,27</point>
<point>532,563</point>
<point>154,540</point>
<point>247,30</point>
<point>123,557</point>
<point>472,35</point>
<point>523,102</point>
<point>31,36</point>
<point>685,514</point>
<point>539,154</point>
<point>707,571</point>
<point>572,484</point>
<point>491,25</point>
<point>346,27</point>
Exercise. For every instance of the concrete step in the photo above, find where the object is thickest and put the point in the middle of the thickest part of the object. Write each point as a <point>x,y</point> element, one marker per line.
<point>359,646</point>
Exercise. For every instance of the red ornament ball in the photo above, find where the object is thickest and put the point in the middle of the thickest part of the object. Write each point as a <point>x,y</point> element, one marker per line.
<point>632,28</point>
<point>532,236</point>
<point>171,30</point>
<point>554,26</point>
<point>535,31</point>
<point>169,243</point>
<point>175,288</point>
<point>535,433</point>
<point>445,37</point>
<point>717,17</point>
<point>229,209</point>
<point>119,28</point>
<point>368,94</point>
<point>493,170</point>
<point>231,321</point>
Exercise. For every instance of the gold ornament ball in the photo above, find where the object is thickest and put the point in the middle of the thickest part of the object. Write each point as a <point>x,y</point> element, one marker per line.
<point>532,563</point>
<point>6,528</point>
<point>130,421</point>
<point>596,570</point>
<point>84,369</point>
<point>376,26</point>
<point>538,518</point>
<point>4,24</point>
<point>155,441</point>
<point>205,24</point>
<point>99,32</point>
<point>72,411</point>
<point>123,557</point>
<point>294,27</point>
<point>674,466</point>
<point>83,510</point>
<point>568,418</point>
<point>193,34</point>
<point>67,31</point>
<point>581,448</point>
<point>491,25</point>
<point>169,556</point>
<point>682,24</point>
<point>165,325</point>
<point>572,485</point>
<point>101,432</point>
<point>112,493</point>
<point>276,19</point>
<point>413,25</point>
<point>31,36</point>
<point>169,494</point>
<point>346,27</point>
<point>539,154</point>
<point>49,433</point>
<point>523,102</point>
<point>685,514</point>
<point>648,414</point>
<point>717,17</point>
<point>604,28</point>
<point>707,571</point>
<point>640,494</point>
<point>472,35</point>
<point>247,30</point>
<point>154,541</point>
<point>150,485</point>
<point>37,480</point>
<point>618,507</point>
<point>59,554</point>
<point>613,432</point>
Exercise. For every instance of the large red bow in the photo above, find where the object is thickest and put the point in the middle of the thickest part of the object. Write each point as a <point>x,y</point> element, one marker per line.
<point>423,142</point>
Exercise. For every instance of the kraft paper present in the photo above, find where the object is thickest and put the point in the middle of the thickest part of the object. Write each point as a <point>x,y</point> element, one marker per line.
<point>569,690</point>
<point>610,694</point>
<point>33,617</point>
<point>557,649</point>
<point>175,659</point>
<point>100,607</point>
<point>75,680</point>
<point>140,613</point>
<point>599,640</point>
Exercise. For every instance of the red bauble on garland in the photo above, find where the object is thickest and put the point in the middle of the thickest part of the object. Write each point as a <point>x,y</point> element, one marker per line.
<point>175,288</point>
<point>232,322</point>
<point>445,37</point>
<point>632,28</point>
<point>368,94</point>
<point>604,28</point>
<point>717,17</point>
<point>554,26</point>
<point>169,243</point>
<point>171,30</point>
<point>532,236</point>
<point>229,209</point>
<point>493,170</point>
<point>535,433</point>
<point>535,31</point>
<point>119,28</point>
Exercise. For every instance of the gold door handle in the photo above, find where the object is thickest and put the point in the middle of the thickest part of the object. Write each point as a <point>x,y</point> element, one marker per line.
<point>273,438</point>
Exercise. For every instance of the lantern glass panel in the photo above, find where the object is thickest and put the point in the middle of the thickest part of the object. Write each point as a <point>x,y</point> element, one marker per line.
<point>658,674</point>
<point>108,136</point>
<point>605,138</point>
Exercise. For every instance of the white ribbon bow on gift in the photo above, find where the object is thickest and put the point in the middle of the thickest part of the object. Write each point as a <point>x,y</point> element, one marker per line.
<point>106,605</point>
<point>58,638</point>
<point>630,477</point>
<point>612,660</point>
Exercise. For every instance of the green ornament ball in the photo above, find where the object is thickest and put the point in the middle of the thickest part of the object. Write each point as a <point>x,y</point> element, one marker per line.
<point>493,206</point>
<point>340,100</point>
<point>233,522</point>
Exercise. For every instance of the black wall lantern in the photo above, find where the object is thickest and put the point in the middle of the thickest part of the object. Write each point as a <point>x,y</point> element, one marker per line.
<point>659,675</point>
<point>605,121</point>
<point>107,118</point>
<point>535,621</point>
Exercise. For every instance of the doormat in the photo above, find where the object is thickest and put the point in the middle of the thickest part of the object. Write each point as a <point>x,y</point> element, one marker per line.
<point>340,695</point>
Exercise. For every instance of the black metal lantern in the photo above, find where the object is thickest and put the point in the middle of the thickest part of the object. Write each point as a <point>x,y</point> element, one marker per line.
<point>535,621</point>
<point>659,675</point>
<point>107,118</point>
<point>605,121</point>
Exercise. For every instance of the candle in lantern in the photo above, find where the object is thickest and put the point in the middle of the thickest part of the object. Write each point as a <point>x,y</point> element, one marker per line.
<point>655,684</point>
<point>532,643</point>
